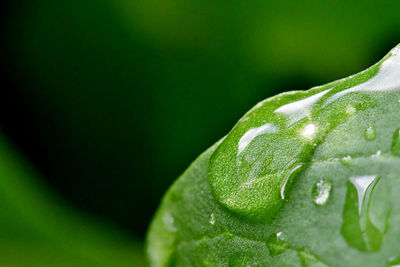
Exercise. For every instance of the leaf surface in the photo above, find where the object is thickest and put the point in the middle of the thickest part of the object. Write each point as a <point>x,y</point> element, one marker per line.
<point>306,178</point>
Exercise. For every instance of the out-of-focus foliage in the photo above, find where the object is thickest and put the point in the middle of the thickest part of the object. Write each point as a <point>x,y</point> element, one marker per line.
<point>38,229</point>
<point>121,95</point>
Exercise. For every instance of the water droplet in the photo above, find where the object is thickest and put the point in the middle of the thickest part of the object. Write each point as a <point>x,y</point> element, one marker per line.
<point>347,160</point>
<point>387,79</point>
<point>321,191</point>
<point>279,235</point>
<point>396,143</point>
<point>298,110</point>
<point>212,219</point>
<point>169,222</point>
<point>277,244</point>
<point>370,133</point>
<point>364,216</point>
<point>377,154</point>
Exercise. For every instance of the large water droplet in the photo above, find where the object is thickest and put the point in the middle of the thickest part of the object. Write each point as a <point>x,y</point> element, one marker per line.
<point>365,214</point>
<point>396,143</point>
<point>321,191</point>
<point>370,133</point>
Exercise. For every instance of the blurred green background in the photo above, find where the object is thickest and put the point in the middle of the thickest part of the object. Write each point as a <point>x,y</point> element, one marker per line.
<point>105,103</point>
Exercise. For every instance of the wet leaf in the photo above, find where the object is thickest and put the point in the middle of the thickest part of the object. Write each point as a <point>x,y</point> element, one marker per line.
<point>306,178</point>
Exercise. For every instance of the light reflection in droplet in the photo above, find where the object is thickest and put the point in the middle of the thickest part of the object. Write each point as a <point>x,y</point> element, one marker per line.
<point>249,136</point>
<point>309,130</point>
<point>298,110</point>
<point>361,184</point>
<point>321,192</point>
<point>212,219</point>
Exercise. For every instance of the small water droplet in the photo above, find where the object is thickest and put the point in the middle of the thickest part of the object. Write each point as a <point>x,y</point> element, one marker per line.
<point>396,143</point>
<point>321,191</point>
<point>169,222</point>
<point>212,219</point>
<point>281,236</point>
<point>277,244</point>
<point>347,160</point>
<point>370,133</point>
<point>377,154</point>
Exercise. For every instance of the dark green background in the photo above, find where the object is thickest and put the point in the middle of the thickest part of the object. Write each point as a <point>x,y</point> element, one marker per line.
<point>112,100</point>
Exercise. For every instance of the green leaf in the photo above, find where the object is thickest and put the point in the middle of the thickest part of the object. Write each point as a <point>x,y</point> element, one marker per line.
<point>306,178</point>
